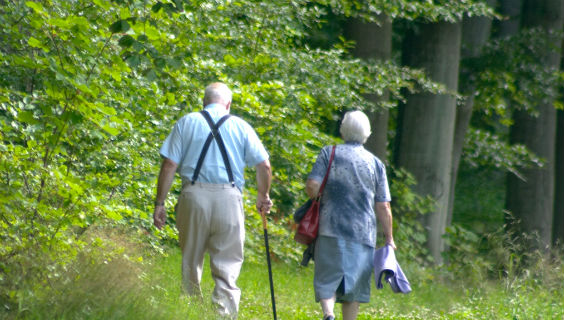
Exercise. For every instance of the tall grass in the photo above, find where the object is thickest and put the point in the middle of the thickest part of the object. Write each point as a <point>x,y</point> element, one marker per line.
<point>119,277</point>
<point>112,283</point>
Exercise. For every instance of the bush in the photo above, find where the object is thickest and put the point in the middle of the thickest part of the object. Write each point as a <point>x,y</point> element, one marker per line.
<point>501,256</point>
<point>407,209</point>
<point>96,283</point>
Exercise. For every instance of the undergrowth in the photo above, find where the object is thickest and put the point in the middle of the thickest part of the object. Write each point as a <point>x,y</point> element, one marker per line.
<point>118,277</point>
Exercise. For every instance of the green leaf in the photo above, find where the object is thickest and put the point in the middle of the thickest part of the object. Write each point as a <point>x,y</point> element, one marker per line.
<point>229,59</point>
<point>119,26</point>
<point>112,214</point>
<point>160,63</point>
<point>126,41</point>
<point>34,42</point>
<point>133,60</point>
<point>36,6</point>
<point>152,32</point>
<point>102,4</point>
<point>157,7</point>
<point>115,74</point>
<point>27,117</point>
<point>110,130</point>
<point>150,74</point>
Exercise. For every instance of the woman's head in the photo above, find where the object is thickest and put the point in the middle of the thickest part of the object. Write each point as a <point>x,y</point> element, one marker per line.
<point>355,127</point>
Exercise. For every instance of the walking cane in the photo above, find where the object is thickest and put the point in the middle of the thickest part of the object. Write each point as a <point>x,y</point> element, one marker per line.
<point>268,262</point>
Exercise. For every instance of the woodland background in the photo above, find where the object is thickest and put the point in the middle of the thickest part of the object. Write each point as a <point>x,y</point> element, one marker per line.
<point>465,99</point>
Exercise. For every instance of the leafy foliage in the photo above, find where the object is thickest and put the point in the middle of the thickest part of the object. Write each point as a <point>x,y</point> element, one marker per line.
<point>510,74</point>
<point>485,149</point>
<point>90,89</point>
<point>426,10</point>
<point>407,209</point>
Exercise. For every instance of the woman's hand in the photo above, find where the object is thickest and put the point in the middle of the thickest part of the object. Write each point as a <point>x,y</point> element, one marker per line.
<point>391,243</point>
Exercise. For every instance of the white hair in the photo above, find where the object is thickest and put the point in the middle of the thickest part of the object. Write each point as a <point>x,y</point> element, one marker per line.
<point>217,92</point>
<point>355,127</point>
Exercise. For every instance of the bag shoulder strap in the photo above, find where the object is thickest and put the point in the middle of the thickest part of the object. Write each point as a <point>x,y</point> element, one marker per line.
<point>214,134</point>
<point>320,192</point>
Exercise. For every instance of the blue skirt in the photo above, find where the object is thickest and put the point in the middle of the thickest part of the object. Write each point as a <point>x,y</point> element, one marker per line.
<point>342,269</point>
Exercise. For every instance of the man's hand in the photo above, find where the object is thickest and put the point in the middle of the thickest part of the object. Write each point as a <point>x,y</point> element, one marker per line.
<point>159,216</point>
<point>264,177</point>
<point>264,204</point>
<point>166,175</point>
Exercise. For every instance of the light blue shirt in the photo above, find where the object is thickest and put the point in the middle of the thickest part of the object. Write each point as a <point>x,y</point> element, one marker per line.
<point>184,145</point>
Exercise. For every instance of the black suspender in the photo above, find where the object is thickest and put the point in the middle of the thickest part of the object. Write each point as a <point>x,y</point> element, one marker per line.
<point>214,134</point>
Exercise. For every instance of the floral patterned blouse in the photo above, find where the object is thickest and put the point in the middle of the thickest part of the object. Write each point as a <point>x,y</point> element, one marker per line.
<point>357,180</point>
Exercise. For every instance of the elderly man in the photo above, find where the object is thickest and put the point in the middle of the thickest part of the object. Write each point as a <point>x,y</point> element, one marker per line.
<point>210,149</point>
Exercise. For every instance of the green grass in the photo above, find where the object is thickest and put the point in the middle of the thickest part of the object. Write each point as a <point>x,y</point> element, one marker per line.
<point>123,288</point>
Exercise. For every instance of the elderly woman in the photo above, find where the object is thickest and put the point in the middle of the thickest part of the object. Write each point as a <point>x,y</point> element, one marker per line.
<point>357,186</point>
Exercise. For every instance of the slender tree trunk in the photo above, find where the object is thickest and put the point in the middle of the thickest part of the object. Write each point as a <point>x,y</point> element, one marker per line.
<point>507,28</point>
<point>512,10</point>
<point>531,202</point>
<point>558,227</point>
<point>558,220</point>
<point>427,122</point>
<point>475,33</point>
<point>373,41</point>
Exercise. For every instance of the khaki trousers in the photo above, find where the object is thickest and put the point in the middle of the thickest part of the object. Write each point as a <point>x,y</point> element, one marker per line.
<point>209,217</point>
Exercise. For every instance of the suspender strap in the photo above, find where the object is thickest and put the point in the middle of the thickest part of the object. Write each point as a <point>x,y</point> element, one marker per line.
<point>214,134</point>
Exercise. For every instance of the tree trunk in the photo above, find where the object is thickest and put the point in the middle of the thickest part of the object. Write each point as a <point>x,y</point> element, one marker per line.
<point>373,41</point>
<point>512,10</point>
<point>508,28</point>
<point>558,227</point>
<point>558,220</point>
<point>427,122</point>
<point>475,33</point>
<point>531,202</point>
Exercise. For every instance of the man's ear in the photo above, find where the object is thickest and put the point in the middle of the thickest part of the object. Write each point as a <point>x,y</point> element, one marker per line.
<point>228,105</point>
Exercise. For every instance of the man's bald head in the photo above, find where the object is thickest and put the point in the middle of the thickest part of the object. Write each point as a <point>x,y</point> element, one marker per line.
<point>218,92</point>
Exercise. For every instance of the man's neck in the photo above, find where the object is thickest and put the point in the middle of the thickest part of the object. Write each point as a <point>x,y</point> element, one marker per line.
<point>217,106</point>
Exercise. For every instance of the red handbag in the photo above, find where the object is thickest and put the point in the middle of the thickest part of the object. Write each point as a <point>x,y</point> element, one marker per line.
<point>309,225</point>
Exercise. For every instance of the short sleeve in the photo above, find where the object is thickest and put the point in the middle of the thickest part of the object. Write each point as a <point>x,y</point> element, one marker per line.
<point>382,191</point>
<point>319,168</point>
<point>255,152</point>
<point>172,146</point>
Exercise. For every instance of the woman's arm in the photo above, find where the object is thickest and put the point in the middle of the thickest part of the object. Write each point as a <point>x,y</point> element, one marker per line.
<point>312,188</point>
<point>384,214</point>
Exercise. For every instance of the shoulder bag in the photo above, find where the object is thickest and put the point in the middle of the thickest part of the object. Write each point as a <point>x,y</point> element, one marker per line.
<point>309,224</point>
